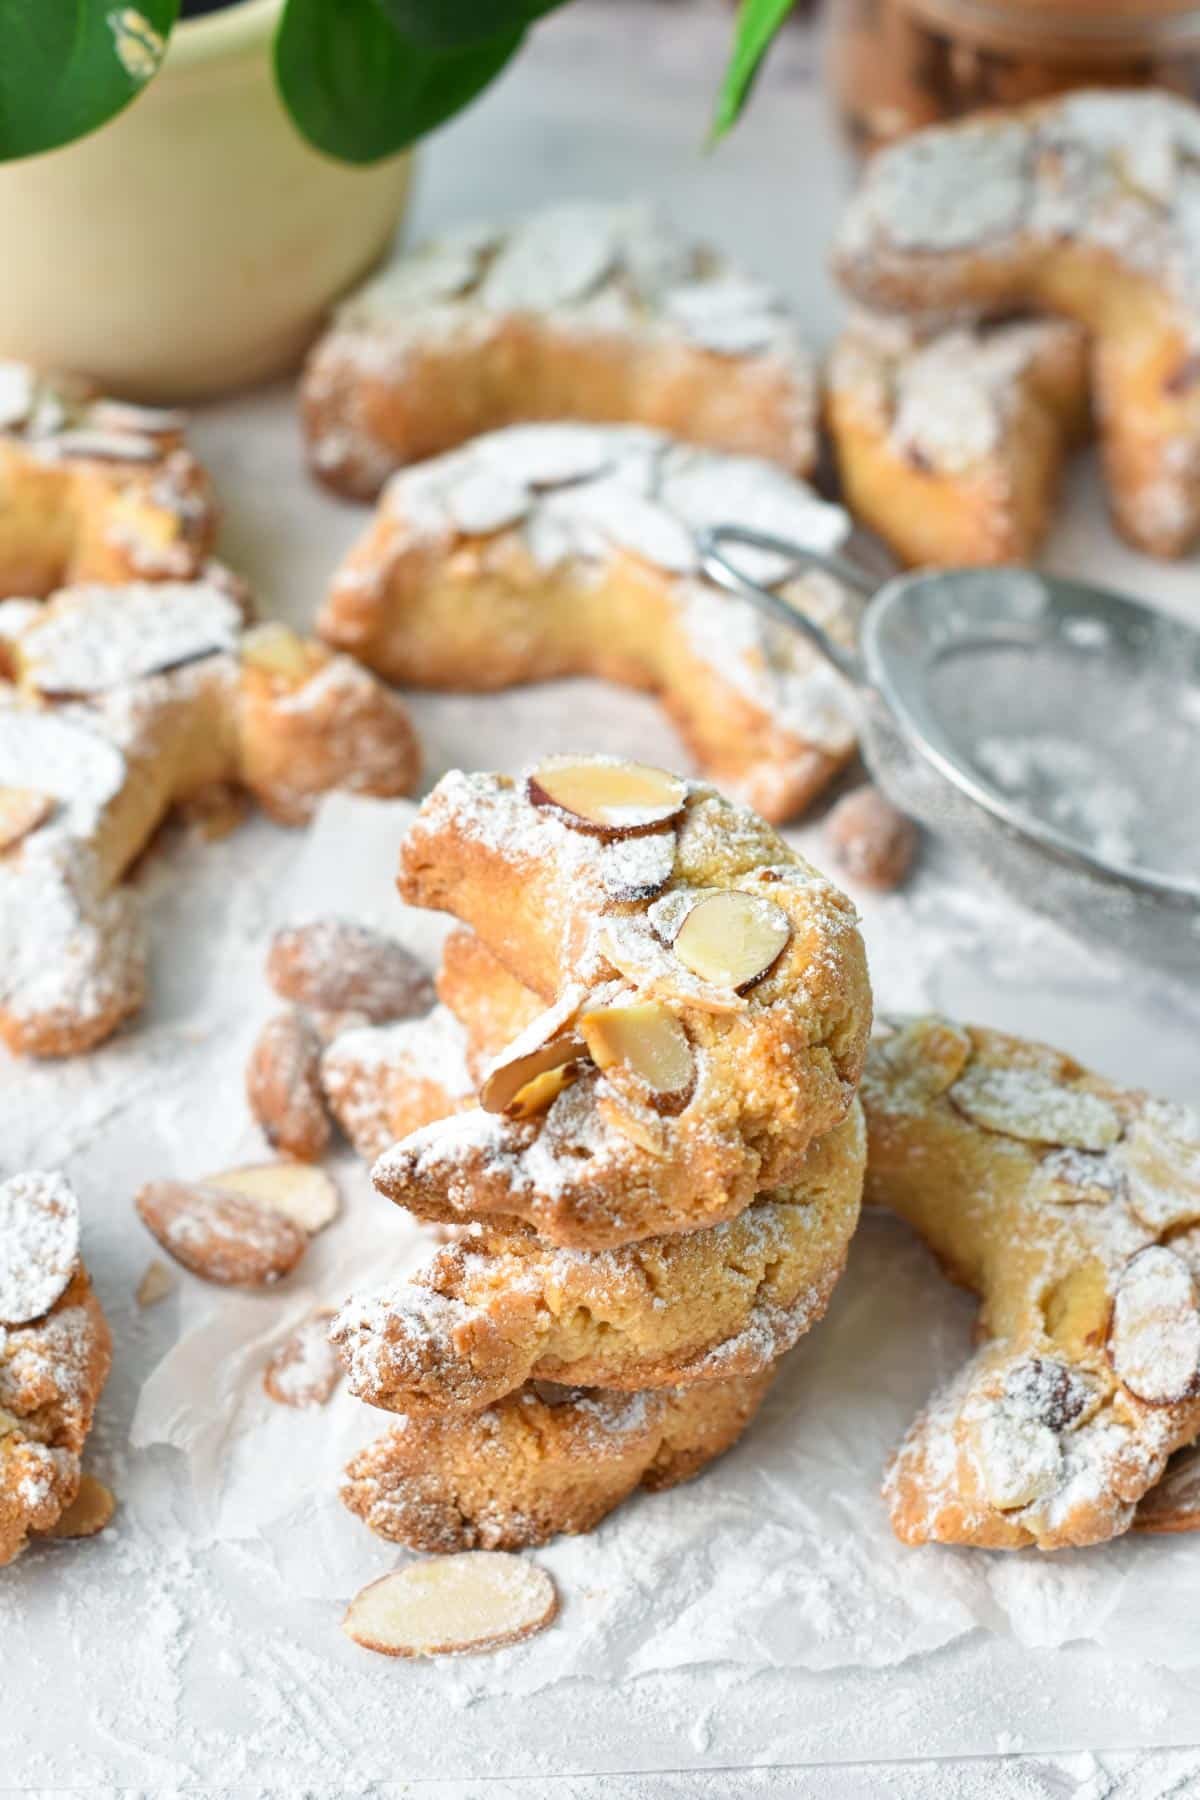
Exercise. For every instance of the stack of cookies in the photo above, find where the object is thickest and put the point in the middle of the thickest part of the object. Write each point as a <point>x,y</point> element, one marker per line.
<point>635,1106</point>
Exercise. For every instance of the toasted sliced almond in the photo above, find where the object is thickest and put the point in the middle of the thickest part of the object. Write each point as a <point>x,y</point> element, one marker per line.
<point>912,1065</point>
<point>1154,1333</point>
<point>39,1244</point>
<point>221,1236</point>
<point>1032,1105</point>
<point>306,1368</point>
<point>283,1086</point>
<point>607,797</point>
<point>538,1096</point>
<point>732,939</point>
<point>333,965</point>
<point>548,1043</point>
<point>648,1041</point>
<point>306,1197</point>
<point>155,1285</point>
<point>278,650</point>
<point>638,953</point>
<point>89,1512</point>
<point>1019,1458</point>
<point>452,1605</point>
<point>22,810</point>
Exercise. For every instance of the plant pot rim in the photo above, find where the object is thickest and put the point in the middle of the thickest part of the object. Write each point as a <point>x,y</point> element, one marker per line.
<point>244,26</point>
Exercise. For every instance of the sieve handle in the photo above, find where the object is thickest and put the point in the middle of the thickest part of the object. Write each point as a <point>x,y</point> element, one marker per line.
<point>720,569</point>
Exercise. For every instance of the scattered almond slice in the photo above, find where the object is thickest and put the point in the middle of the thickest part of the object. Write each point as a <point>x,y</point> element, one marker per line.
<point>333,965</point>
<point>648,1041</point>
<point>306,1197</point>
<point>636,951</point>
<point>22,810</point>
<point>732,939</point>
<point>39,1244</point>
<point>89,1512</point>
<point>1154,1334</point>
<point>922,1058</point>
<point>453,1605</point>
<point>306,1368</point>
<point>283,1086</point>
<point>547,1044</point>
<point>607,797</point>
<point>221,1236</point>
<point>1031,1105</point>
<point>1160,1157</point>
<point>155,1285</point>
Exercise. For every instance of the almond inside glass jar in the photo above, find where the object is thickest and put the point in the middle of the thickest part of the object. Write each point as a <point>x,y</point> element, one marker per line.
<point>897,65</point>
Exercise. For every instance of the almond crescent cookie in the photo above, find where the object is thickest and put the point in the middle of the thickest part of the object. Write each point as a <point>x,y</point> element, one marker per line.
<point>1081,206</point>
<point>951,445</point>
<point>542,1461</point>
<point>94,489</point>
<point>551,550</point>
<point>124,701</point>
<point>706,996</point>
<point>502,1306</point>
<point>1072,1207</point>
<point>55,1351</point>
<point>584,311</point>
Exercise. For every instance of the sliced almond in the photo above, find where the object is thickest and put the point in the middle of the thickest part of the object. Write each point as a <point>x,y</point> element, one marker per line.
<point>1154,1333</point>
<point>306,1368</point>
<point>732,939</point>
<point>283,1086</point>
<point>9,1424</point>
<point>89,1512</point>
<point>642,1124</point>
<point>538,1096</point>
<point>639,867</point>
<point>1076,1178</point>
<point>607,797</point>
<point>1160,1156</point>
<point>22,810</point>
<point>155,1285</point>
<point>306,1197</point>
<point>452,1605</point>
<point>648,1041</point>
<point>915,1063</point>
<point>221,1236</point>
<point>1031,1105</point>
<point>637,952</point>
<point>39,1244</point>
<point>277,650</point>
<point>1019,1459</point>
<point>334,965</point>
<point>548,1043</point>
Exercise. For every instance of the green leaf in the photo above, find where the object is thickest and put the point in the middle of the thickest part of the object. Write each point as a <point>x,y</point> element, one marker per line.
<point>449,24</point>
<point>67,66</point>
<point>359,91</point>
<point>757,23</point>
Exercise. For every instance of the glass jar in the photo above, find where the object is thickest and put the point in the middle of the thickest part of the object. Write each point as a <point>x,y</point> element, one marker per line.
<point>896,65</point>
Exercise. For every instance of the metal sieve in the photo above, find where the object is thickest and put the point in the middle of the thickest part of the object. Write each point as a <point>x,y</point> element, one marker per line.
<point>1051,727</point>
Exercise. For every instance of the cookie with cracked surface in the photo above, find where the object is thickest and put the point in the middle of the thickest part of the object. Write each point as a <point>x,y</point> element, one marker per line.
<point>584,311</point>
<point>552,550</point>
<point>122,703</point>
<point>696,1039</point>
<point>55,1351</point>
<point>542,1461</point>
<point>1079,206</point>
<point>950,445</point>
<point>1072,1208</point>
<point>94,489</point>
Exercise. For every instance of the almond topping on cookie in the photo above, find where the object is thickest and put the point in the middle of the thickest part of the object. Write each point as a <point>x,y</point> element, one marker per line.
<point>1033,1106</point>
<point>39,1244</point>
<point>607,798</point>
<point>545,1049</point>
<point>306,1367</point>
<point>156,1283</point>
<point>647,1040</point>
<point>221,1237</point>
<point>732,939</point>
<point>1019,1458</point>
<point>1154,1335</point>
<point>283,1086</point>
<point>1160,1157</point>
<point>919,1060</point>
<point>89,1512</point>
<point>334,965</point>
<point>637,951</point>
<point>452,1605</point>
<point>277,650</point>
<point>22,810</point>
<point>308,1198</point>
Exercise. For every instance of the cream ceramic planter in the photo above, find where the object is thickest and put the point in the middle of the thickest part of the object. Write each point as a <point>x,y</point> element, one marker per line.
<point>193,243</point>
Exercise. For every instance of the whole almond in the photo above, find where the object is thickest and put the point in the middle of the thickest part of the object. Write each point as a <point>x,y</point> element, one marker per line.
<point>870,839</point>
<point>283,1086</point>
<point>337,965</point>
<point>220,1236</point>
